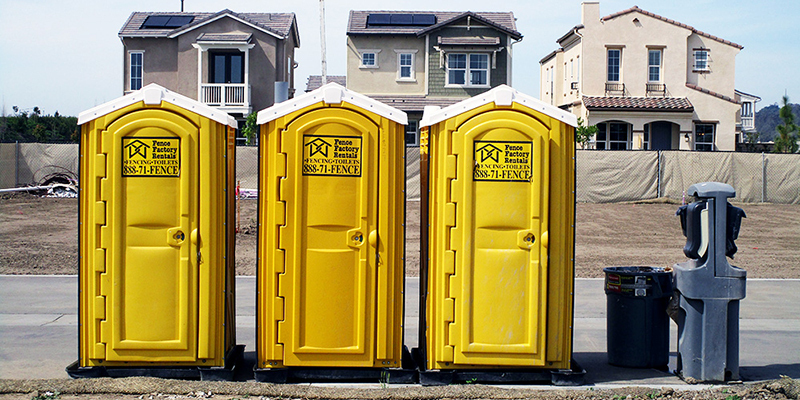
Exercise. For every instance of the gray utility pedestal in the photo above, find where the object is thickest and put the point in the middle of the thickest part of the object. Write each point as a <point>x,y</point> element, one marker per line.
<point>708,288</point>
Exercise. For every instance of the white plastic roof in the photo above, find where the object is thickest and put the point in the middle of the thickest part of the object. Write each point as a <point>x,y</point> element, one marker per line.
<point>502,95</point>
<point>332,93</point>
<point>153,94</point>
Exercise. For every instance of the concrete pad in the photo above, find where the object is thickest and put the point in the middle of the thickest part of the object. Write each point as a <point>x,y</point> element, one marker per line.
<point>39,331</point>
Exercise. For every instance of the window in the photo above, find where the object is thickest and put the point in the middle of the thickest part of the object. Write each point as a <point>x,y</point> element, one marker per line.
<point>614,62</point>
<point>472,73</point>
<point>646,137</point>
<point>406,65</point>
<point>654,66</point>
<point>226,67</point>
<point>747,109</point>
<point>412,135</point>
<point>369,59</point>
<point>701,60</point>
<point>612,136</point>
<point>137,67</point>
<point>704,137</point>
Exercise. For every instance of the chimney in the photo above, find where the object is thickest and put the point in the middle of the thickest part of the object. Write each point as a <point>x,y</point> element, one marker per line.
<point>590,12</point>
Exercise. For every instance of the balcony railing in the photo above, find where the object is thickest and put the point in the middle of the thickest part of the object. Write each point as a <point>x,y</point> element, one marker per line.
<point>225,94</point>
<point>748,123</point>
<point>656,89</point>
<point>615,88</point>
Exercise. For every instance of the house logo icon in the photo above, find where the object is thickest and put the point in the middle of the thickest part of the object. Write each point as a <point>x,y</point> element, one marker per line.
<point>489,152</point>
<point>137,147</point>
<point>318,146</point>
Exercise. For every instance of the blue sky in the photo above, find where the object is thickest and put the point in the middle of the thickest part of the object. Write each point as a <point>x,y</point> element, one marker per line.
<point>65,55</point>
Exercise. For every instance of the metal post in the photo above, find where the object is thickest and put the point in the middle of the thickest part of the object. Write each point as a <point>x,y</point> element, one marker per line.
<point>322,41</point>
<point>16,164</point>
<point>764,161</point>
<point>658,174</point>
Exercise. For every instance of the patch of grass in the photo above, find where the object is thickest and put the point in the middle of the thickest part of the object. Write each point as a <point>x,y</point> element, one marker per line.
<point>47,396</point>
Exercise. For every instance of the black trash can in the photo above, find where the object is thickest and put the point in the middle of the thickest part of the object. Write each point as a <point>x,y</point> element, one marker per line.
<point>637,323</point>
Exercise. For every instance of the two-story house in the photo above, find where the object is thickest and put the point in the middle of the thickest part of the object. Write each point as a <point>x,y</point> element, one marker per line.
<point>237,62</point>
<point>412,59</point>
<point>646,81</point>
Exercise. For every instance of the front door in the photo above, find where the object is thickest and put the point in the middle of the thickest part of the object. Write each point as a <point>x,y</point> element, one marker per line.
<point>500,245</point>
<point>153,211</point>
<point>661,133</point>
<point>329,239</point>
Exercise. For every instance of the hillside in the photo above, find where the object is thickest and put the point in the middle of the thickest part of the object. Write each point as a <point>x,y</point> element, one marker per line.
<point>767,119</point>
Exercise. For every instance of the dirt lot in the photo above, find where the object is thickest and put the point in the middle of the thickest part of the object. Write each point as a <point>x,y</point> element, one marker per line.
<point>39,236</point>
<point>162,389</point>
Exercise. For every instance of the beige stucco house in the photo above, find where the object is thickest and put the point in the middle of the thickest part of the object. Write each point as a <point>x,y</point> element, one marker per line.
<point>646,81</point>
<point>412,59</point>
<point>237,62</point>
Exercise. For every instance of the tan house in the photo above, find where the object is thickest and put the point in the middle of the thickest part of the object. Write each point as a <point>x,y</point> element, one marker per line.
<point>413,59</point>
<point>646,81</point>
<point>236,62</point>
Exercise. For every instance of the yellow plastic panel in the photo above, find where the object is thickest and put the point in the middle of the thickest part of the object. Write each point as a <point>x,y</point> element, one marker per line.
<point>501,266</point>
<point>153,210</point>
<point>331,197</point>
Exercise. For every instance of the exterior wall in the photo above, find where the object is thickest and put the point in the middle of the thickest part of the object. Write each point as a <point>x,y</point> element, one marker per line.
<point>160,63</point>
<point>437,76</point>
<point>571,69</point>
<point>635,34</point>
<point>384,78</point>
<point>172,63</point>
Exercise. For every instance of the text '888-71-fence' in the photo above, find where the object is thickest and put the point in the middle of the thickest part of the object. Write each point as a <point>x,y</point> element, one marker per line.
<point>602,176</point>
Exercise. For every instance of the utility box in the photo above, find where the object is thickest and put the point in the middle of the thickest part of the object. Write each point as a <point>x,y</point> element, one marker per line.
<point>497,271</point>
<point>707,287</point>
<point>156,245</point>
<point>331,237</point>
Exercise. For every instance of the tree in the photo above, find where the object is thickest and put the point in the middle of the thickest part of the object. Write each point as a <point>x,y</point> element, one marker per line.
<point>750,140</point>
<point>250,129</point>
<point>583,134</point>
<point>786,142</point>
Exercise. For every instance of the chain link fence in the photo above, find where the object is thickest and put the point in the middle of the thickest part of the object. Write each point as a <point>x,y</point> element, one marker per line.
<point>605,176</point>
<point>602,176</point>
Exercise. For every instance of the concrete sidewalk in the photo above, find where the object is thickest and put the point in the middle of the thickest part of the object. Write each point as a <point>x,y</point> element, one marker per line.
<point>39,329</point>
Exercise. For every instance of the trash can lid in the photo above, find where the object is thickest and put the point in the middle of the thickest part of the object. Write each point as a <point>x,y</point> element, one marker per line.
<point>638,270</point>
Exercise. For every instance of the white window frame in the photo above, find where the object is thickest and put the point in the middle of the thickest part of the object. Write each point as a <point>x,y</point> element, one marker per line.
<point>713,137</point>
<point>658,67</point>
<point>706,60</point>
<point>413,73</point>
<point>608,64</point>
<point>607,141</point>
<point>374,53</point>
<point>130,70</point>
<point>468,71</point>
<point>415,125</point>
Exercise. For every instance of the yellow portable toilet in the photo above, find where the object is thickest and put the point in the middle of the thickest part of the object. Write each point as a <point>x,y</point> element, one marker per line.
<point>156,239</point>
<point>497,258</point>
<point>331,239</point>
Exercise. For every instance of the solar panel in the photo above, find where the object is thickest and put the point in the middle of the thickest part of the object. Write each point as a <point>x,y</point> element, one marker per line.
<point>424,19</point>
<point>402,19</point>
<point>155,22</point>
<point>378,19</point>
<point>166,21</point>
<point>176,22</point>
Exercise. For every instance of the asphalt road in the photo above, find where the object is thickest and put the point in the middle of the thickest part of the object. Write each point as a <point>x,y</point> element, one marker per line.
<point>39,331</point>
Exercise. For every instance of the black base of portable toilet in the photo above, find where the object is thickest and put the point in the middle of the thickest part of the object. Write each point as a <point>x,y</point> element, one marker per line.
<point>637,322</point>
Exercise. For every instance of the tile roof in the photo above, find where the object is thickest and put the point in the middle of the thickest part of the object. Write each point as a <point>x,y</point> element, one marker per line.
<point>410,103</point>
<point>315,81</point>
<point>673,104</point>
<point>469,41</point>
<point>279,24</point>
<point>224,37</point>
<point>357,23</point>
<point>712,93</point>
<point>682,25</point>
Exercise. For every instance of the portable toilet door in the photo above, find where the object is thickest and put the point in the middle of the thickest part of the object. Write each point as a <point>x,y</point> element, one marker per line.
<point>156,251</point>
<point>499,267</point>
<point>330,269</point>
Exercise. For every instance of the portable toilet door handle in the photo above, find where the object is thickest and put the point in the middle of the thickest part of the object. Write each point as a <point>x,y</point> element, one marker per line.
<point>525,239</point>
<point>195,238</point>
<point>373,238</point>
